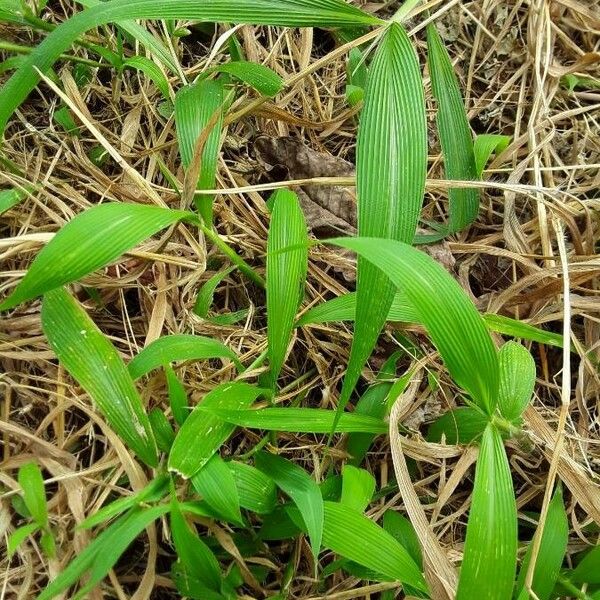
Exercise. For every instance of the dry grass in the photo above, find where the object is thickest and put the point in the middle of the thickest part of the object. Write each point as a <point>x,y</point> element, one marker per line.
<point>510,57</point>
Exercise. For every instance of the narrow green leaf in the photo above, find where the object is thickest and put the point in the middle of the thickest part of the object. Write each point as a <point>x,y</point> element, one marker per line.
<point>301,488</point>
<point>216,483</point>
<point>588,570</point>
<point>95,364</point>
<point>517,379</point>
<point>306,420</point>
<point>358,486</point>
<point>257,76</point>
<point>551,553</point>
<point>177,395</point>
<point>152,71</point>
<point>203,433</point>
<point>163,432</point>
<point>171,348</point>
<point>356,537</point>
<point>452,321</point>
<point>286,274</point>
<point>490,555</point>
<point>390,179</point>
<point>518,329</point>
<point>401,529</point>
<point>18,536</point>
<point>90,241</point>
<point>257,492</point>
<point>190,586</point>
<point>454,132</point>
<point>194,554</point>
<point>206,293</point>
<point>485,145</point>
<point>64,118</point>
<point>34,495</point>
<point>462,425</point>
<point>48,545</point>
<point>195,106</point>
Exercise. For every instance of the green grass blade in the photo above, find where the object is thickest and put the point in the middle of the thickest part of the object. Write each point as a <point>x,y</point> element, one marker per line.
<point>356,537</point>
<point>454,132</point>
<point>286,274</point>
<point>264,80</point>
<point>94,363</point>
<point>216,484</point>
<point>171,348</point>
<point>88,242</point>
<point>484,146</point>
<point>162,429</point>
<point>288,13</point>
<point>18,536</point>
<point>452,321</point>
<point>490,555</point>
<point>257,492</point>
<point>402,530</point>
<point>462,425</point>
<point>518,329</point>
<point>178,399</point>
<point>551,553</point>
<point>358,486</point>
<point>517,379</point>
<point>390,180</point>
<point>10,198</point>
<point>195,106</point>
<point>203,433</point>
<point>588,570</point>
<point>34,495</point>
<point>306,420</point>
<point>301,488</point>
<point>151,70</point>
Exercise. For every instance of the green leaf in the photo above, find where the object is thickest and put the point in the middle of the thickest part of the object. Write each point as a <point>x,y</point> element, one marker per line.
<point>358,486</point>
<point>197,558</point>
<point>171,348</point>
<point>18,536</point>
<point>48,545</point>
<point>207,292</point>
<point>94,363</point>
<point>402,530</point>
<point>518,329</point>
<point>152,71</point>
<point>588,570</point>
<point>203,433</point>
<point>287,13</point>
<point>177,396</point>
<point>452,321</point>
<point>286,274</point>
<point>490,555</point>
<point>163,432</point>
<point>517,379</point>
<point>257,76</point>
<point>462,425</point>
<point>257,492</point>
<point>189,586</point>
<point>301,488</point>
<point>64,118</point>
<point>356,537</point>
<point>102,553</point>
<point>34,495</point>
<point>454,132</point>
<point>195,106</point>
<point>305,420</point>
<point>390,181</point>
<point>90,241</point>
<point>552,551</point>
<point>485,145</point>
<point>216,484</point>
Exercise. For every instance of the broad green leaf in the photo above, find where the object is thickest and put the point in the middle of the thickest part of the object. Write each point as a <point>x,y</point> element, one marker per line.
<point>485,145</point>
<point>358,486</point>
<point>278,525</point>
<point>153,492</point>
<point>203,433</point>
<point>216,483</point>
<point>306,420</point>
<point>171,348</point>
<point>103,552</point>
<point>195,555</point>
<point>64,118</point>
<point>195,106</point>
<point>588,570</point>
<point>18,536</point>
<point>490,555</point>
<point>402,530</point>
<point>261,78</point>
<point>517,379</point>
<point>552,551</point>
<point>356,537</point>
<point>190,586</point>
<point>257,492</point>
<point>462,425</point>
<point>286,274</point>
<point>454,133</point>
<point>452,321</point>
<point>152,71</point>
<point>34,495</point>
<point>90,241</point>
<point>301,488</point>
<point>390,181</point>
<point>94,363</point>
<point>288,13</point>
<point>163,432</point>
<point>177,395</point>
<point>10,198</point>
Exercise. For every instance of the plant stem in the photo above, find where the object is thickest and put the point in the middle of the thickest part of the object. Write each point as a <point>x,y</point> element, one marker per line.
<point>18,49</point>
<point>572,588</point>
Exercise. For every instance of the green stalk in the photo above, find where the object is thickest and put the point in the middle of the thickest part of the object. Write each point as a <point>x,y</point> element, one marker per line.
<point>18,49</point>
